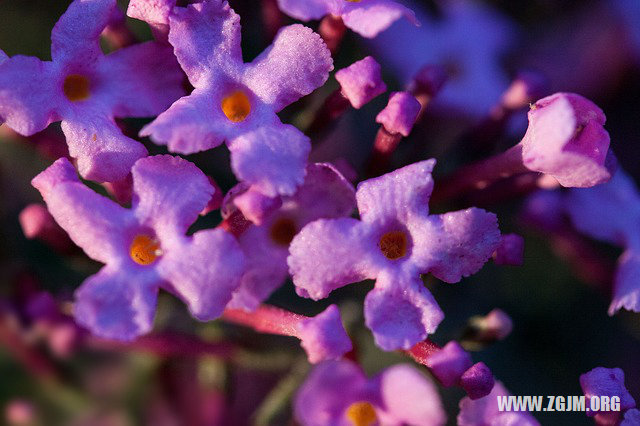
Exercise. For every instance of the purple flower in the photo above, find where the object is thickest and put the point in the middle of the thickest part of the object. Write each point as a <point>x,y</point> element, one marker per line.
<point>154,12</point>
<point>485,412</point>
<point>394,242</point>
<point>324,194</point>
<point>145,247</point>
<point>238,102</point>
<point>468,40</point>
<point>606,382</point>
<point>400,114</point>
<point>631,418</point>
<point>323,337</point>
<point>338,393</point>
<point>86,90</point>
<point>361,81</point>
<point>567,140</point>
<point>368,18</point>
<point>596,212</point>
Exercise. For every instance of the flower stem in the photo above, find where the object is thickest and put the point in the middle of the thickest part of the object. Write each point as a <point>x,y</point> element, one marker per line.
<point>266,319</point>
<point>332,31</point>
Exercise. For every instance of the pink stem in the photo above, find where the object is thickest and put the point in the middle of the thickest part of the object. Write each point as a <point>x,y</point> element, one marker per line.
<point>266,319</point>
<point>423,350</point>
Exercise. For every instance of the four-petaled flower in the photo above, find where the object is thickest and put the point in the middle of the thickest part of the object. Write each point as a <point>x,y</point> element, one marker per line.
<point>86,89</point>
<point>324,194</point>
<point>238,102</point>
<point>395,241</point>
<point>145,247</point>
<point>338,393</point>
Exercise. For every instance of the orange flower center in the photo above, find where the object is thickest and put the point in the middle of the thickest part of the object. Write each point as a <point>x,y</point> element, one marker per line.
<point>361,414</point>
<point>144,250</point>
<point>393,245</point>
<point>283,230</point>
<point>76,87</point>
<point>236,107</point>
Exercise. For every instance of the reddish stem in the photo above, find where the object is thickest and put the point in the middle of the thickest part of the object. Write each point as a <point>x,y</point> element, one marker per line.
<point>383,147</point>
<point>266,319</point>
<point>235,223</point>
<point>334,106</point>
<point>423,350</point>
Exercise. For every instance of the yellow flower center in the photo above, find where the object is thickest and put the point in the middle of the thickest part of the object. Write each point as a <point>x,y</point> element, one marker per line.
<point>361,414</point>
<point>236,107</point>
<point>393,245</point>
<point>76,87</point>
<point>283,230</point>
<point>144,250</point>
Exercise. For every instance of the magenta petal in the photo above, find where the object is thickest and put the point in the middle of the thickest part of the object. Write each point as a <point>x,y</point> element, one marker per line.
<point>410,398</point>
<point>95,223</point>
<point>266,268</point>
<point>567,140</point>
<point>449,363</point>
<point>76,35</point>
<point>296,63</point>
<point>323,337</point>
<point>305,10</point>
<point>206,39</point>
<point>141,80</point>
<point>468,239</point>
<point>400,114</point>
<point>272,158</point>
<point>115,304</point>
<point>328,254</point>
<point>170,192</point>
<point>361,81</point>
<point>203,270</point>
<point>324,396</point>
<point>626,290</point>
<point>325,193</point>
<point>371,17</point>
<point>477,381</point>
<point>397,195</point>
<point>400,311</point>
<point>104,154</point>
<point>28,102</point>
<point>188,126</point>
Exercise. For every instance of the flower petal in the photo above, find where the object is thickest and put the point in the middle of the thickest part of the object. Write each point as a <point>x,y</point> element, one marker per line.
<point>141,80</point>
<point>398,195</point>
<point>206,39</point>
<point>76,35</point>
<point>170,192</point>
<point>374,16</point>
<point>328,254</point>
<point>104,154</point>
<point>626,289</point>
<point>154,12</point>
<point>410,398</point>
<point>203,271</point>
<point>271,158</point>
<point>266,268</point>
<point>28,101</point>
<point>115,304</point>
<point>305,10</point>
<point>456,244</point>
<point>296,63</point>
<point>323,337</point>
<point>400,311</point>
<point>325,193</point>
<point>188,126</point>
<point>95,223</point>
<point>567,140</point>
<point>327,392</point>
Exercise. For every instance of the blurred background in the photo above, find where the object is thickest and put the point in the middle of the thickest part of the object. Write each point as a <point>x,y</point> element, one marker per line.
<point>52,373</point>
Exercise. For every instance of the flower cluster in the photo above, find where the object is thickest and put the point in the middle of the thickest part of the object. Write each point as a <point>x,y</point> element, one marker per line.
<point>288,212</point>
